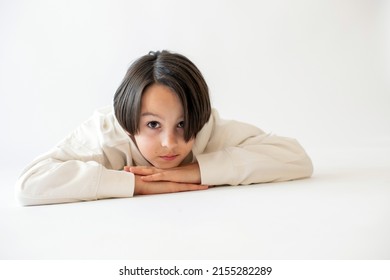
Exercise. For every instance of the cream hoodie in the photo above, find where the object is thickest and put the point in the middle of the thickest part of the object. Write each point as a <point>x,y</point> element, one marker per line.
<point>88,164</point>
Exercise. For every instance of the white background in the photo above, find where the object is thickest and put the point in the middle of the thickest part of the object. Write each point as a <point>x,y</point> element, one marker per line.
<point>317,71</point>
<point>314,70</point>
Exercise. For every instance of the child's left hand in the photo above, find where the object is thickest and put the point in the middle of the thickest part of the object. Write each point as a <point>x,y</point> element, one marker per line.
<point>183,174</point>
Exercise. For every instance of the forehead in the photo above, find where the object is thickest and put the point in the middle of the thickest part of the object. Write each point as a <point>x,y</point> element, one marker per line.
<point>160,100</point>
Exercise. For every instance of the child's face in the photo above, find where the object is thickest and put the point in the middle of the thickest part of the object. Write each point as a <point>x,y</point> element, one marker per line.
<point>160,137</point>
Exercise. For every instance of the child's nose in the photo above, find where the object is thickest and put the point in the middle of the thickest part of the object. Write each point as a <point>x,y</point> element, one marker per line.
<point>169,139</point>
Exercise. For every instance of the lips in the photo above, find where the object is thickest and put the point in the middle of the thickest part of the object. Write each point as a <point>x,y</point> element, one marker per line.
<point>169,157</point>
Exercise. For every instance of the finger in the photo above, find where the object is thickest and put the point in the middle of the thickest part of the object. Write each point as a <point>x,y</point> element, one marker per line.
<point>169,187</point>
<point>154,177</point>
<point>196,187</point>
<point>126,168</point>
<point>190,187</point>
<point>131,169</point>
<point>142,170</point>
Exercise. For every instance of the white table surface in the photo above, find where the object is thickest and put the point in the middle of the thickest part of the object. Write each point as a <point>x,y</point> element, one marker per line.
<point>342,212</point>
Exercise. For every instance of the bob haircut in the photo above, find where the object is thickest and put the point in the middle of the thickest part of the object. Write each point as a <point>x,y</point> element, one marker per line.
<point>174,71</point>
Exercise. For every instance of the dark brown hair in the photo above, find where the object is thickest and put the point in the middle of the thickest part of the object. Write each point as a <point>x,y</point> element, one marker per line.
<point>174,71</point>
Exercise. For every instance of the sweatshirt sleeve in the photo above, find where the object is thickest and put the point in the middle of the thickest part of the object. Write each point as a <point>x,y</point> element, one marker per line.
<point>239,153</point>
<point>78,169</point>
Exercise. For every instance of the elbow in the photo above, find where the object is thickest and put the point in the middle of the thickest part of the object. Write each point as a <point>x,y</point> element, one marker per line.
<point>22,195</point>
<point>26,194</point>
<point>303,163</point>
<point>304,167</point>
<point>23,201</point>
<point>308,168</point>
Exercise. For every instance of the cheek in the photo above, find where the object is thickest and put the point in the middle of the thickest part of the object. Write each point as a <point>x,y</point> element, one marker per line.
<point>189,145</point>
<point>146,145</point>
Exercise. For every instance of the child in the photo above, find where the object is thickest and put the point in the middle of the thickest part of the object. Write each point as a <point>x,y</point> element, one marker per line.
<point>161,136</point>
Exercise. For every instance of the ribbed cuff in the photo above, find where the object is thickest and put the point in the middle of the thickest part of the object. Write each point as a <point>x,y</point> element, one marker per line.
<point>115,183</point>
<point>216,169</point>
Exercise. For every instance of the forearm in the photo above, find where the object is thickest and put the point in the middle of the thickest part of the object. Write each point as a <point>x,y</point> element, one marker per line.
<point>274,159</point>
<point>50,181</point>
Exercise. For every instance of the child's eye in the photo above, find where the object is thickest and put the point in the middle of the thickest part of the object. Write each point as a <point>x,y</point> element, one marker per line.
<point>180,124</point>
<point>153,124</point>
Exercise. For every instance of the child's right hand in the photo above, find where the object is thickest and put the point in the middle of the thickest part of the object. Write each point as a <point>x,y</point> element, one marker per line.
<point>189,173</point>
<point>159,187</point>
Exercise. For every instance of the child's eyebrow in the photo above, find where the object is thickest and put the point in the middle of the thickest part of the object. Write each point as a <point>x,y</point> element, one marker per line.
<point>146,114</point>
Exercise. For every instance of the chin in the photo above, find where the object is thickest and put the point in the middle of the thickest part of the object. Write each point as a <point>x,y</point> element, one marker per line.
<point>166,165</point>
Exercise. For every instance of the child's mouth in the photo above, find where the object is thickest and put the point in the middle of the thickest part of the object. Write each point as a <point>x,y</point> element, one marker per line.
<point>169,157</point>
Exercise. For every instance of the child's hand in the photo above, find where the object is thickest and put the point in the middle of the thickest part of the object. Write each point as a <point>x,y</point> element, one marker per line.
<point>184,174</point>
<point>142,187</point>
<point>152,180</point>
